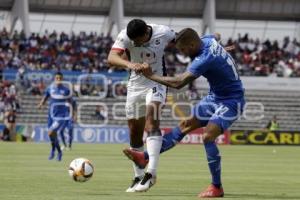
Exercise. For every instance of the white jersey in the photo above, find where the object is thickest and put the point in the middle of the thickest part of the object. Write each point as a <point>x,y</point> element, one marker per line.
<point>151,52</point>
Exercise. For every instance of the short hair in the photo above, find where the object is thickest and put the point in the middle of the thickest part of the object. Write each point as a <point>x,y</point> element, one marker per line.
<point>58,74</point>
<point>136,28</point>
<point>187,35</point>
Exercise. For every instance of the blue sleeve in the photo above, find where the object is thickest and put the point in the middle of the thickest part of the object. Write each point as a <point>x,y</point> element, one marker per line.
<point>209,36</point>
<point>198,67</point>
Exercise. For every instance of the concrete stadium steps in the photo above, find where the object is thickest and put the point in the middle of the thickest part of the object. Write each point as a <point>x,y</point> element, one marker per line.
<point>286,105</point>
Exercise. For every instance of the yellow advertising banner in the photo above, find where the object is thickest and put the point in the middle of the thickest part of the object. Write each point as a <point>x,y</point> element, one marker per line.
<point>265,137</point>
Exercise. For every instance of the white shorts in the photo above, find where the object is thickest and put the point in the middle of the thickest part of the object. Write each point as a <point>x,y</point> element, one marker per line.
<point>138,98</point>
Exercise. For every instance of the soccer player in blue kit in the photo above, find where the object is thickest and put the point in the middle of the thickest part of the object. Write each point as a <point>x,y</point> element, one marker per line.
<point>216,112</point>
<point>60,110</point>
<point>68,124</point>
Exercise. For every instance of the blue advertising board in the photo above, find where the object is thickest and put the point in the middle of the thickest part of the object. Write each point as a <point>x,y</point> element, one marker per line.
<point>72,76</point>
<point>100,135</point>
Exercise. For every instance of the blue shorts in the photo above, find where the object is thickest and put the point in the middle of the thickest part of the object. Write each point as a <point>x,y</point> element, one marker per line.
<point>67,124</point>
<point>55,125</point>
<point>221,112</point>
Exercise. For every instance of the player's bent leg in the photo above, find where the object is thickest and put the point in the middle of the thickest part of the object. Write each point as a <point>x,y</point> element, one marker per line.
<point>177,134</point>
<point>154,142</point>
<point>214,161</point>
<point>55,145</point>
<point>64,146</point>
<point>136,130</point>
<point>170,139</point>
<point>56,125</point>
<point>70,133</point>
<point>53,138</point>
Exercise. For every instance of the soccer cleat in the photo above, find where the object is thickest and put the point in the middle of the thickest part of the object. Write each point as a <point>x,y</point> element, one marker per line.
<point>51,156</point>
<point>212,192</point>
<point>59,156</point>
<point>135,182</point>
<point>137,157</point>
<point>146,183</point>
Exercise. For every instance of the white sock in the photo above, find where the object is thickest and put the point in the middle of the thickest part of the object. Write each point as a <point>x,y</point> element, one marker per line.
<point>153,147</point>
<point>138,171</point>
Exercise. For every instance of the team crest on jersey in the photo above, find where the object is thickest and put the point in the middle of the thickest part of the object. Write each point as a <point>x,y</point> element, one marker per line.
<point>157,42</point>
<point>148,56</point>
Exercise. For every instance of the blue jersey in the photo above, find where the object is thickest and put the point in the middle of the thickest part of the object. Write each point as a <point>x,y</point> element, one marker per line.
<point>219,68</point>
<point>60,101</point>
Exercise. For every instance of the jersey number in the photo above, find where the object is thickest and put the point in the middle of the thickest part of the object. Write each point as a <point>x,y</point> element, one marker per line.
<point>154,90</point>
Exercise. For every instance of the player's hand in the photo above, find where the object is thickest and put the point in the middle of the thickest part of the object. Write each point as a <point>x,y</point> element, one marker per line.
<point>137,67</point>
<point>147,70</point>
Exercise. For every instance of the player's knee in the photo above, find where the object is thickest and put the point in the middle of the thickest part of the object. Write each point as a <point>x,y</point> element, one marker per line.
<point>184,124</point>
<point>207,137</point>
<point>51,133</point>
<point>151,124</point>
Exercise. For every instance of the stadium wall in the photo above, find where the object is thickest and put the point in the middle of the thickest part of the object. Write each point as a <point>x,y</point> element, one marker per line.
<point>120,135</point>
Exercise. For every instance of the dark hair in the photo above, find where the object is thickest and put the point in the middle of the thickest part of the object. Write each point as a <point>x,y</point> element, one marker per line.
<point>136,28</point>
<point>58,74</point>
<point>187,35</point>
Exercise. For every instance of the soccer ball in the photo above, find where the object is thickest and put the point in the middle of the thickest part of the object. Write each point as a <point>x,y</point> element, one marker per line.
<point>81,169</point>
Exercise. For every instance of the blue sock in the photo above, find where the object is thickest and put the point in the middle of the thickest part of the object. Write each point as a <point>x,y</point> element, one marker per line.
<point>55,143</point>
<point>214,162</point>
<point>169,140</point>
<point>70,132</point>
<point>61,133</point>
<point>52,140</point>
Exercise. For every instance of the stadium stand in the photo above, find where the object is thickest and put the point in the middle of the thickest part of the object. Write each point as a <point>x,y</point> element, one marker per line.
<point>281,103</point>
<point>87,53</point>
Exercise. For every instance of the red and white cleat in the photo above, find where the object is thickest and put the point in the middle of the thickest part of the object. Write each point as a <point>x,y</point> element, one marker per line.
<point>137,157</point>
<point>212,192</point>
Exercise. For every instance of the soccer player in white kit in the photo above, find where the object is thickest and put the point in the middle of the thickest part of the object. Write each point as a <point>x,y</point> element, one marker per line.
<point>141,43</point>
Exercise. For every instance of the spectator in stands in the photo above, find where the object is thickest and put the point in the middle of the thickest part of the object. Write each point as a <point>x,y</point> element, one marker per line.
<point>100,113</point>
<point>120,90</point>
<point>88,52</point>
<point>55,51</point>
<point>10,124</point>
<point>273,124</point>
<point>2,109</point>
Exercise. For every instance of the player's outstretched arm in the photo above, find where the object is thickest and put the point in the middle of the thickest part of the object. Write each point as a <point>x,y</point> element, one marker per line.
<point>42,102</point>
<point>116,59</point>
<point>177,82</point>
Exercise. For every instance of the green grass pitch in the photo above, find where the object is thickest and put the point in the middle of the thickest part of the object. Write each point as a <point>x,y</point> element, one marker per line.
<point>249,172</point>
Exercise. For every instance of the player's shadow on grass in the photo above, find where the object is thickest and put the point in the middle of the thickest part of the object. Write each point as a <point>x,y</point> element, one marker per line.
<point>260,196</point>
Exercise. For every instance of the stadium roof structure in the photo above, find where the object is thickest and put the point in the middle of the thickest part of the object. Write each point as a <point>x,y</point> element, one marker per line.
<point>207,10</point>
<point>288,10</point>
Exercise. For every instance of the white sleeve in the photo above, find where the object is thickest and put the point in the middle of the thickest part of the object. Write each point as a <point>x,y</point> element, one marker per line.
<point>122,41</point>
<point>169,33</point>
